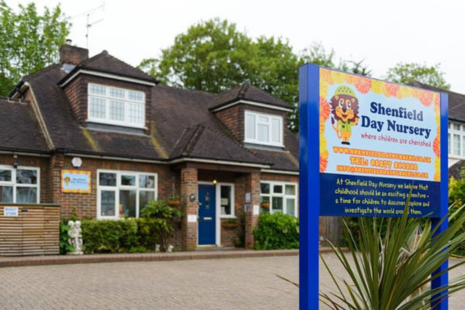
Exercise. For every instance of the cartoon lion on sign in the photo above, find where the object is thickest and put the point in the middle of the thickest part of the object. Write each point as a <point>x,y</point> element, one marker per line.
<point>344,107</point>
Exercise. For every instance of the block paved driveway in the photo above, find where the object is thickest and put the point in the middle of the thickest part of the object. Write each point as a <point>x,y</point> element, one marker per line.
<point>238,283</point>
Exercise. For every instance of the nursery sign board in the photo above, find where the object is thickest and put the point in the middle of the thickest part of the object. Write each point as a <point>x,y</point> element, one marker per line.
<point>378,141</point>
<point>366,146</point>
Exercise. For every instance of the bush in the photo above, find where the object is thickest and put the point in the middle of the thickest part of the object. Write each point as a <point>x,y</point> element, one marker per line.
<point>109,236</point>
<point>160,226</point>
<point>276,231</point>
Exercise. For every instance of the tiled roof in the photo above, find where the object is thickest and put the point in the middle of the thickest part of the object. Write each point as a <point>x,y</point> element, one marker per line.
<point>456,101</point>
<point>105,63</point>
<point>249,93</point>
<point>181,124</point>
<point>205,143</point>
<point>19,128</point>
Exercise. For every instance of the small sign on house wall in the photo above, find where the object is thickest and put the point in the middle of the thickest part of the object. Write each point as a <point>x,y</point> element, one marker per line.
<point>75,181</point>
<point>10,211</point>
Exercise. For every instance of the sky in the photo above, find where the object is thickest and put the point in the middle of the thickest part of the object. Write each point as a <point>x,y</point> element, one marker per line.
<point>382,33</point>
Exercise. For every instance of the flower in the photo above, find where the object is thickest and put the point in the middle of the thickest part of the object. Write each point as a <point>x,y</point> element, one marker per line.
<point>363,85</point>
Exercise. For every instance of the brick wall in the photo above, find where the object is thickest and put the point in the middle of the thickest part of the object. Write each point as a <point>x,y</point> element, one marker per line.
<point>86,204</point>
<point>189,230</point>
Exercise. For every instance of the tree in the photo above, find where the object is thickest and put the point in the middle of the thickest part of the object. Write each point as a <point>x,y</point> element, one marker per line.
<point>409,72</point>
<point>28,41</point>
<point>214,56</point>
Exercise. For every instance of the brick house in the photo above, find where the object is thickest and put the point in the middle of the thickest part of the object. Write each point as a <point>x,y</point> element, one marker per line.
<point>133,140</point>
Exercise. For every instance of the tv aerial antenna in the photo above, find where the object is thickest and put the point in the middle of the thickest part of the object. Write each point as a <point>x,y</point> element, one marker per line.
<point>88,21</point>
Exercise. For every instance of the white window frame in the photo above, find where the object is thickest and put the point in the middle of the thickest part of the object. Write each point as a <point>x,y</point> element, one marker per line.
<point>15,185</point>
<point>282,195</point>
<point>271,129</point>
<point>107,98</point>
<point>452,132</point>
<point>218,200</point>
<point>118,187</point>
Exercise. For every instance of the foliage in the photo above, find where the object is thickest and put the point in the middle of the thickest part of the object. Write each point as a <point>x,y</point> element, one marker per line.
<point>393,272</point>
<point>65,246</point>
<point>409,72</point>
<point>28,41</point>
<point>276,231</point>
<point>456,200</point>
<point>161,216</point>
<point>109,236</point>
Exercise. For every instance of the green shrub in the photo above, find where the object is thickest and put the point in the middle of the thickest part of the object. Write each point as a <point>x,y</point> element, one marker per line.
<point>109,236</point>
<point>65,246</point>
<point>276,231</point>
<point>161,224</point>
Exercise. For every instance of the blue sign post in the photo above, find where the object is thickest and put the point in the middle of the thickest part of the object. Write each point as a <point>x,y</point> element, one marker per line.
<point>364,144</point>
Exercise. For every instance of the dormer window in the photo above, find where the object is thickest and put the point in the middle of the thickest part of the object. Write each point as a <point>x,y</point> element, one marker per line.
<point>263,129</point>
<point>116,106</point>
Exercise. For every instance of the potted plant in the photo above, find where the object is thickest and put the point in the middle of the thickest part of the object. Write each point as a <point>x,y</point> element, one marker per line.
<point>173,201</point>
<point>230,224</point>
<point>265,204</point>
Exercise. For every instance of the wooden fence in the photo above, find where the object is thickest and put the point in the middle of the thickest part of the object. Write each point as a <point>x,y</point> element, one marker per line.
<point>29,229</point>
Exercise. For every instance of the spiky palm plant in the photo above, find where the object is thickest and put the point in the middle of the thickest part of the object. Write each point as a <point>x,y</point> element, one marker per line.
<point>393,272</point>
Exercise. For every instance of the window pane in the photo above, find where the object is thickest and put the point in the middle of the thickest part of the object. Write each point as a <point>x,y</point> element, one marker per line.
<point>265,204</point>
<point>128,180</point>
<point>136,113</point>
<point>146,181</point>
<point>136,96</point>
<point>26,195</point>
<point>117,110</point>
<point>5,175</point>
<point>116,92</point>
<point>127,203</point>
<point>26,176</point>
<point>250,126</point>
<point>456,145</point>
<point>96,89</point>
<point>277,204</point>
<point>278,189</point>
<point>225,202</point>
<point>456,126</point>
<point>263,119</point>
<point>290,189</point>
<point>262,133</point>
<point>107,203</point>
<point>107,179</point>
<point>96,107</point>
<point>144,198</point>
<point>290,206</point>
<point>265,188</point>
<point>275,130</point>
<point>6,193</point>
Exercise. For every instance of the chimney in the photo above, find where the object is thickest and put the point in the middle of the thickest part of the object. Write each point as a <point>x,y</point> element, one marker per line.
<point>72,55</point>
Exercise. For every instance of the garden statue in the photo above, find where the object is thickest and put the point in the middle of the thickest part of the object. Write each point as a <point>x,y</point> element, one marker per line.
<point>75,237</point>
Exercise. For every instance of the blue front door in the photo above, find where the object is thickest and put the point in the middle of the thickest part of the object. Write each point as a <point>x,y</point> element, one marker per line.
<point>207,214</point>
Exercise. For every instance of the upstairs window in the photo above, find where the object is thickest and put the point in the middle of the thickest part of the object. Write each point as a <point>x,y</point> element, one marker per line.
<point>116,106</point>
<point>263,129</point>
